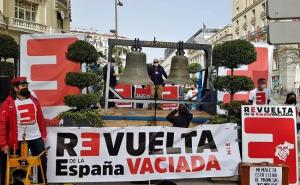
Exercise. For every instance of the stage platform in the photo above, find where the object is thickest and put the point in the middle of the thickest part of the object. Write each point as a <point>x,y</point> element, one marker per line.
<point>122,117</point>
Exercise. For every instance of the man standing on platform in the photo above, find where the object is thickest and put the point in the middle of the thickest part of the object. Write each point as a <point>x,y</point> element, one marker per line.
<point>112,80</point>
<point>260,95</point>
<point>156,73</point>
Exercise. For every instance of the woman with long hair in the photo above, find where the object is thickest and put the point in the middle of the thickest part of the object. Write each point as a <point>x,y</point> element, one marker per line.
<point>291,99</point>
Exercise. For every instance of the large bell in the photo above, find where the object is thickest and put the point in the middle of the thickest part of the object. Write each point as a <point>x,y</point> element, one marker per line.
<point>135,71</point>
<point>179,72</point>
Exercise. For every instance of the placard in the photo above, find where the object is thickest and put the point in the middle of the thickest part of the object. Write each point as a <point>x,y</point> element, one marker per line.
<point>265,175</point>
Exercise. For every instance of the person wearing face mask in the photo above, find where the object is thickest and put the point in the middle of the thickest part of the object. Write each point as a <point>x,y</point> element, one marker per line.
<point>291,100</point>
<point>112,80</point>
<point>180,117</point>
<point>21,112</point>
<point>192,95</point>
<point>260,95</point>
<point>156,73</point>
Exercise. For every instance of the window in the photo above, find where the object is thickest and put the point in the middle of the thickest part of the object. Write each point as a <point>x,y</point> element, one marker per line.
<point>25,10</point>
<point>237,10</point>
<point>237,22</point>
<point>60,20</point>
<point>245,18</point>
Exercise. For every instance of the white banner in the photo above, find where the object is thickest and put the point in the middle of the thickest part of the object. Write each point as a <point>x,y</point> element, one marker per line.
<point>141,153</point>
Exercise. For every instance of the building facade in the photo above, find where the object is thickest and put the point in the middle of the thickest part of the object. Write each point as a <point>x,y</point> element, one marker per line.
<point>100,42</point>
<point>223,35</point>
<point>194,56</point>
<point>249,20</point>
<point>34,16</point>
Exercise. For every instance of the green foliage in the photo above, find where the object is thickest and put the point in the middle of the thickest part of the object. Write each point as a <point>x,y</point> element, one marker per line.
<point>101,55</point>
<point>80,80</point>
<point>117,52</point>
<point>233,112</point>
<point>223,118</point>
<point>233,108</point>
<point>82,52</point>
<point>233,54</point>
<point>81,101</point>
<point>7,69</point>
<point>149,66</point>
<point>8,47</point>
<point>90,115</point>
<point>194,68</point>
<point>233,84</point>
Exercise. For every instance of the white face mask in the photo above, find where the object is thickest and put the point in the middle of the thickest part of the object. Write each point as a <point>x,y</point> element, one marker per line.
<point>263,86</point>
<point>155,64</point>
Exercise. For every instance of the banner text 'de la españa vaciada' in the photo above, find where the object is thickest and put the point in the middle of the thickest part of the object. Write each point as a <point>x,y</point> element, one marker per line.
<point>141,153</point>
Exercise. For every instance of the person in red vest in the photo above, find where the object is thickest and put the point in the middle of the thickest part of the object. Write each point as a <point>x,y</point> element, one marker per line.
<point>260,95</point>
<point>21,113</point>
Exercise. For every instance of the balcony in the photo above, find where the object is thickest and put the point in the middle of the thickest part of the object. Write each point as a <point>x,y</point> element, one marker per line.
<point>63,3</point>
<point>26,26</point>
<point>52,30</point>
<point>253,20</point>
<point>263,14</point>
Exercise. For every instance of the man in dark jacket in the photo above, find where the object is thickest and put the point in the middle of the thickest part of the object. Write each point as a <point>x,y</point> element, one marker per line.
<point>156,73</point>
<point>112,80</point>
<point>180,117</point>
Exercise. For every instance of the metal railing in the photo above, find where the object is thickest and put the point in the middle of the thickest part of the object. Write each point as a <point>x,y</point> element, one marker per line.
<point>63,2</point>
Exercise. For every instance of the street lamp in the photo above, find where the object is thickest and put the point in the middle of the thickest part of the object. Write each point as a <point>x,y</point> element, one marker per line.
<point>117,3</point>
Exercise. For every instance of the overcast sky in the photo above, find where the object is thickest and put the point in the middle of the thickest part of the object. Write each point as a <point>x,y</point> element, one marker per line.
<point>167,20</point>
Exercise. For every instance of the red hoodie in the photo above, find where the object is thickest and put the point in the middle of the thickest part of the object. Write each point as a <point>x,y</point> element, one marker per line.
<point>8,122</point>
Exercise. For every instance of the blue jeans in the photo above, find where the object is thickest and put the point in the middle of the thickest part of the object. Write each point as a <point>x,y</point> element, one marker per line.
<point>36,147</point>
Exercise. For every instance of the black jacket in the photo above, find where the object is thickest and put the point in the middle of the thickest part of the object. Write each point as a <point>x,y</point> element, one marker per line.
<point>113,79</point>
<point>156,74</point>
<point>182,121</point>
